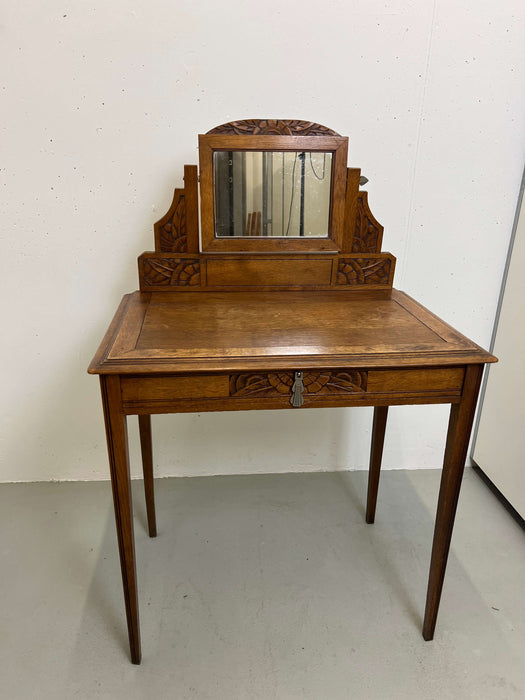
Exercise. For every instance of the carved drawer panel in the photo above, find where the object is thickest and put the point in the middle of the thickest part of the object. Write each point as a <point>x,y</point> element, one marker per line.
<point>322,383</point>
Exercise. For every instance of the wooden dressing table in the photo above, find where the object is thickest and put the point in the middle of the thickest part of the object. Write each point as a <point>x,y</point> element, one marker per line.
<point>294,311</point>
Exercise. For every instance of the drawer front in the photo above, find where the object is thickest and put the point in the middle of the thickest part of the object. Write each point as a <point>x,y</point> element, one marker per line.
<point>241,390</point>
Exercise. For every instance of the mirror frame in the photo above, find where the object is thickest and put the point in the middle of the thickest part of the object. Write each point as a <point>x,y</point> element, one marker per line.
<point>336,145</point>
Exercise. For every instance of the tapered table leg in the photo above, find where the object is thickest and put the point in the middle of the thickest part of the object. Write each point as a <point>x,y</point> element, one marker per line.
<point>458,436</point>
<point>147,468</point>
<point>117,439</point>
<point>376,454</point>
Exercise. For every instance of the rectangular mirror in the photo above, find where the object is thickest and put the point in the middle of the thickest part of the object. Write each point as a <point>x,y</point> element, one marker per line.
<point>272,192</point>
<point>284,194</point>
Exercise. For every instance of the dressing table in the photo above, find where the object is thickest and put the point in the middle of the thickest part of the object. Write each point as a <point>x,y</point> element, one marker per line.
<point>281,298</point>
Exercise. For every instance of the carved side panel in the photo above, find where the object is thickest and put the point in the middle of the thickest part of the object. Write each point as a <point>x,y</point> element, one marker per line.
<point>280,127</point>
<point>171,230</point>
<point>170,272</point>
<point>364,271</point>
<point>255,385</point>
<point>368,233</point>
<point>178,230</point>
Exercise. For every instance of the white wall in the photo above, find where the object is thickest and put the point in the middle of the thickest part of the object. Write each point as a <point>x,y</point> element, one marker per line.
<point>101,104</point>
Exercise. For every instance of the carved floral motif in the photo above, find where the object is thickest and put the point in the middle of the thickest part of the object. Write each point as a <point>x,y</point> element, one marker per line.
<point>172,234</point>
<point>367,231</point>
<point>171,272</point>
<point>319,383</point>
<point>356,271</point>
<point>283,127</point>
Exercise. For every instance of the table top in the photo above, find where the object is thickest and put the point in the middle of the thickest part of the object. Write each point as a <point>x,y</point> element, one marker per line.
<point>185,331</point>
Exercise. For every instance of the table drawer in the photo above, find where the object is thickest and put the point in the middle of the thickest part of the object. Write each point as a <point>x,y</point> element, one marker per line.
<point>234,391</point>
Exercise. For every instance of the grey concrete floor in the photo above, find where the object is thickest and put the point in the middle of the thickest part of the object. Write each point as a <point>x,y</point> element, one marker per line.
<point>260,587</point>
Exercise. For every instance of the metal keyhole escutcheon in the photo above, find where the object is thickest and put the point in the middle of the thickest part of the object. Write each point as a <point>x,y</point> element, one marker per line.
<point>297,390</point>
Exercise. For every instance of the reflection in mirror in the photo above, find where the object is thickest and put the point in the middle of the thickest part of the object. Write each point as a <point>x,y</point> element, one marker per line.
<point>272,193</point>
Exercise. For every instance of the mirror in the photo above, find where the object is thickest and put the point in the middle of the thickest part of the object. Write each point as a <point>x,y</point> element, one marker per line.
<point>263,191</point>
<point>276,194</point>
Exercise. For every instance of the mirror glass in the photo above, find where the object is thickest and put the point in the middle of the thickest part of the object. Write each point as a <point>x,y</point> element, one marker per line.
<point>272,193</point>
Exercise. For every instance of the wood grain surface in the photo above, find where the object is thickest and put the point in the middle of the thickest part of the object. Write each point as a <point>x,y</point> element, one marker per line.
<point>221,331</point>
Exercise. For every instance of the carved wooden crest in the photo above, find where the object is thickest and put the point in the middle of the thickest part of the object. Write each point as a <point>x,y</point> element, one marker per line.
<point>276,127</point>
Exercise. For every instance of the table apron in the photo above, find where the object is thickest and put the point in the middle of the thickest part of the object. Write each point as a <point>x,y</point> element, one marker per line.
<point>240,391</point>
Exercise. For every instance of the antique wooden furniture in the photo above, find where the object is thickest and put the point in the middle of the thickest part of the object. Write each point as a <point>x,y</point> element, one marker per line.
<point>277,321</point>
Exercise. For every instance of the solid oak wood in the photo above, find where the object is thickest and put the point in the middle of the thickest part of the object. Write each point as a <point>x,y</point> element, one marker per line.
<point>147,468</point>
<point>223,331</point>
<point>368,232</point>
<point>268,272</point>
<point>458,436</point>
<point>175,387</point>
<point>159,272</point>
<point>352,193</point>
<point>117,441</point>
<point>227,331</point>
<point>178,230</point>
<point>376,454</point>
<point>191,187</point>
<point>449,380</point>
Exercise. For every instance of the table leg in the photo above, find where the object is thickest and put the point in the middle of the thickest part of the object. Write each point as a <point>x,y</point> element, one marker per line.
<point>458,436</point>
<point>376,454</point>
<point>117,439</point>
<point>147,468</point>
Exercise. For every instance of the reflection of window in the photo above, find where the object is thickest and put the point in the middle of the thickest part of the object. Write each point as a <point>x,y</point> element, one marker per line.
<point>272,193</point>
